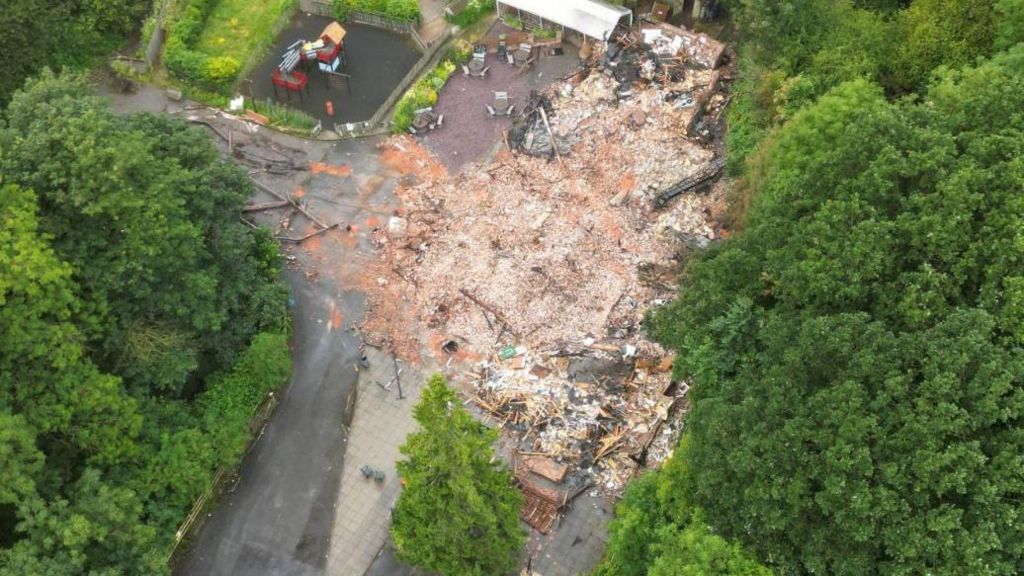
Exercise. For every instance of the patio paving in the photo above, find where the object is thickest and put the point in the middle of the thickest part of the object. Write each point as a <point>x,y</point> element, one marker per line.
<point>379,426</point>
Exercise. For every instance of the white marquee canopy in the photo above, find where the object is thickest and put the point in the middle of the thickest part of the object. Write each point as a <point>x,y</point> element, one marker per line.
<point>595,19</point>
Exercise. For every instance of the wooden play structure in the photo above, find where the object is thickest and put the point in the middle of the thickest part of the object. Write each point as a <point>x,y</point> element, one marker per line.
<point>327,51</point>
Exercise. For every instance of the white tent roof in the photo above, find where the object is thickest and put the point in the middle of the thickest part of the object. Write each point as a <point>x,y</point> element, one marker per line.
<point>595,19</point>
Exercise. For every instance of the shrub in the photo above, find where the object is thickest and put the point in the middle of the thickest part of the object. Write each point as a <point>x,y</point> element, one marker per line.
<point>229,403</point>
<point>513,22</point>
<point>543,33</point>
<point>474,11</point>
<point>461,51</point>
<point>220,71</point>
<point>397,9</point>
<point>422,94</point>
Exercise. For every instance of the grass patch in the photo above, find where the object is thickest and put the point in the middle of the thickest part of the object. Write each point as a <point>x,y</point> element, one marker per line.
<point>238,28</point>
<point>282,116</point>
<point>209,42</point>
<point>407,10</point>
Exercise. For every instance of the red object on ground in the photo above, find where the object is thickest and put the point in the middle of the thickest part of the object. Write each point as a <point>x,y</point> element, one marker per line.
<point>295,81</point>
<point>329,51</point>
<point>330,108</point>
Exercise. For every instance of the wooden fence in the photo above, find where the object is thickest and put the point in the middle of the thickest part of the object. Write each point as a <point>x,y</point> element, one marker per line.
<point>324,8</point>
<point>259,418</point>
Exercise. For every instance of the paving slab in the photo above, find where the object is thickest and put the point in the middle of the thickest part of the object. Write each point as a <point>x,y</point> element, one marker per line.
<point>380,424</point>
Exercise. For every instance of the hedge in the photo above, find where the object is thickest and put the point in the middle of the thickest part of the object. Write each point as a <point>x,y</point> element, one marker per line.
<point>227,406</point>
<point>422,94</point>
<point>199,69</point>
<point>474,11</point>
<point>408,10</point>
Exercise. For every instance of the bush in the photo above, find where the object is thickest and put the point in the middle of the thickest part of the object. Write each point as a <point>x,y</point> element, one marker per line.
<point>398,9</point>
<point>474,11</point>
<point>220,71</point>
<point>461,51</point>
<point>229,403</point>
<point>513,22</point>
<point>422,94</point>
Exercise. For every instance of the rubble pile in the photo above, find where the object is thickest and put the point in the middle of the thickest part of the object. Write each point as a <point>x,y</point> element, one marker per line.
<point>540,266</point>
<point>606,426</point>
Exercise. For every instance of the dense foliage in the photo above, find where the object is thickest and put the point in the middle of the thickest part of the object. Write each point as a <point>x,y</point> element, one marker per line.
<point>59,33</point>
<point>140,326</point>
<point>473,12</point>
<point>458,513</point>
<point>656,534</point>
<point>854,350</point>
<point>792,53</point>
<point>408,10</point>
<point>422,94</point>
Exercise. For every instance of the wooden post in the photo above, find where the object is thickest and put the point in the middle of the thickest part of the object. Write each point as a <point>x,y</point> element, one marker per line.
<point>696,9</point>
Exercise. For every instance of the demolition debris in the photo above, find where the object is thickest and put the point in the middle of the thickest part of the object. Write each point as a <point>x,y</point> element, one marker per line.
<point>540,265</point>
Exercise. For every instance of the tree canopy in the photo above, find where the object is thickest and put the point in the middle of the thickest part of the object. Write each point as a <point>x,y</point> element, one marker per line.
<point>450,473</point>
<point>855,351</point>
<point>140,325</point>
<point>854,348</point>
<point>59,34</point>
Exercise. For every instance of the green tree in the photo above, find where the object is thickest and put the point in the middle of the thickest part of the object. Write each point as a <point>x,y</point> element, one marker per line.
<point>855,353</point>
<point>60,34</point>
<point>126,377</point>
<point>1009,17</point>
<point>656,533</point>
<point>941,32</point>
<point>694,551</point>
<point>145,213</point>
<point>450,473</point>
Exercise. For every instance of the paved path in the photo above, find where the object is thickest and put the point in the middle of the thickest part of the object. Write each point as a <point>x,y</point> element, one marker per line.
<point>278,519</point>
<point>432,22</point>
<point>379,426</point>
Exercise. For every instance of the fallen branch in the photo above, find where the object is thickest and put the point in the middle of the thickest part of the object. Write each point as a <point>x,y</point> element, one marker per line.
<point>266,206</point>
<point>288,199</point>
<point>307,236</point>
<point>196,120</point>
<point>501,317</point>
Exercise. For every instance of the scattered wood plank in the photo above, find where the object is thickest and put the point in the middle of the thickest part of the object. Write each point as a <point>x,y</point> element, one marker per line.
<point>487,307</point>
<point>307,236</point>
<point>546,467</point>
<point>266,206</point>
<point>288,199</point>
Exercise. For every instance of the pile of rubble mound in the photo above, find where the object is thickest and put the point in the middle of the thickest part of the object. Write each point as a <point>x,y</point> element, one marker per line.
<point>539,266</point>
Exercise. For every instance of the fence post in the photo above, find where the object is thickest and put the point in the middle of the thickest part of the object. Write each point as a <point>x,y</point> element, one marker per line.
<point>156,41</point>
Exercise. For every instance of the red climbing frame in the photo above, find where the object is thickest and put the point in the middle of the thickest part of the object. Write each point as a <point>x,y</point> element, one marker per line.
<point>294,81</point>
